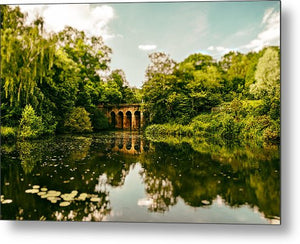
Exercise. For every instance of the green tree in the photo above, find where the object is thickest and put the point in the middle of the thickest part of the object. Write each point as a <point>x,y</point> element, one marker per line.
<point>205,89</point>
<point>31,125</point>
<point>196,61</point>
<point>78,121</point>
<point>61,93</point>
<point>178,94</point>
<point>235,66</point>
<point>123,93</point>
<point>26,58</point>
<point>267,75</point>
<point>161,63</point>
<point>91,57</point>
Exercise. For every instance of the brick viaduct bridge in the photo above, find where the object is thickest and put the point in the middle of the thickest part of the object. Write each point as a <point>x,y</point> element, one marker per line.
<point>124,116</point>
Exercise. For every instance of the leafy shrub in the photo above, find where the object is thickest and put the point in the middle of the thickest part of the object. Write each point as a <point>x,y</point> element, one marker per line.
<point>8,133</point>
<point>272,134</point>
<point>31,125</point>
<point>275,109</point>
<point>230,128</point>
<point>78,121</point>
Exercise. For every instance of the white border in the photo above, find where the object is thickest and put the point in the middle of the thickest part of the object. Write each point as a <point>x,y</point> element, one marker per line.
<point>54,232</point>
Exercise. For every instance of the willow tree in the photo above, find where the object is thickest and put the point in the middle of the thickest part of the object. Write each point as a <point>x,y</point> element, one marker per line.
<point>27,56</point>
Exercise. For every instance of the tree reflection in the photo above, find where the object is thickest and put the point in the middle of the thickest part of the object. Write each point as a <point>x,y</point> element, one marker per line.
<point>200,171</point>
<point>30,154</point>
<point>159,191</point>
<point>85,211</point>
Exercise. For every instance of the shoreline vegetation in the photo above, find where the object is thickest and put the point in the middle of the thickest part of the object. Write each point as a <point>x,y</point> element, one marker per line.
<point>54,87</point>
<point>235,122</point>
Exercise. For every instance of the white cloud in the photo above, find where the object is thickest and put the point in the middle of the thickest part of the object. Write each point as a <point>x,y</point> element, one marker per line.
<point>267,14</point>
<point>222,49</point>
<point>84,17</point>
<point>219,49</point>
<point>270,35</point>
<point>147,47</point>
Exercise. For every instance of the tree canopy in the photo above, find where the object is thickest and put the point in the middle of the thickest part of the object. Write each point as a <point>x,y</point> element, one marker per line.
<point>55,72</point>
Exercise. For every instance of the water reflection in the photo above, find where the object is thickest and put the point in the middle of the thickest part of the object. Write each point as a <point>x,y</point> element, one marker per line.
<point>123,176</point>
<point>128,143</point>
<point>30,154</point>
<point>160,193</point>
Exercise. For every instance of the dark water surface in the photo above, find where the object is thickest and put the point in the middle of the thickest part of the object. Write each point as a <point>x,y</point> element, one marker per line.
<point>121,176</point>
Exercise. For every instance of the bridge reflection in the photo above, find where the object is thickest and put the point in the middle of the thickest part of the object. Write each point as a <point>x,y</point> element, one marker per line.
<point>129,143</point>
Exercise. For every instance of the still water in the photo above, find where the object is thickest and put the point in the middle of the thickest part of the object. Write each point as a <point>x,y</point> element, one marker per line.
<point>122,176</point>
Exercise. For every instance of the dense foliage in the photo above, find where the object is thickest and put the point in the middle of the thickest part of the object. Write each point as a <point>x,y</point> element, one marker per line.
<point>78,121</point>
<point>31,125</point>
<point>55,73</point>
<point>237,98</point>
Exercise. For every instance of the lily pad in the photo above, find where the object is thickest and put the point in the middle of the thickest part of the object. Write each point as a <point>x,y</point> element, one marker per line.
<point>44,189</point>
<point>36,187</point>
<point>95,199</point>
<point>82,197</point>
<point>6,201</point>
<point>64,204</point>
<point>205,202</point>
<point>32,191</point>
<point>54,193</point>
<point>53,199</point>
<point>41,193</point>
<point>67,197</point>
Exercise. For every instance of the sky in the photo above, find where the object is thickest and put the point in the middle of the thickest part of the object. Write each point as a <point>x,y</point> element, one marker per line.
<point>134,30</point>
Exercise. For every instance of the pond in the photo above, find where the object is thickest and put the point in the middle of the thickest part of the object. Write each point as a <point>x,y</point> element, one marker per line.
<point>122,176</point>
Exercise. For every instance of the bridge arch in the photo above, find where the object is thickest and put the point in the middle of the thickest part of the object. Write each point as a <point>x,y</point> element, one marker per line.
<point>137,119</point>
<point>128,120</point>
<point>120,120</point>
<point>124,116</point>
